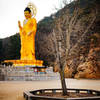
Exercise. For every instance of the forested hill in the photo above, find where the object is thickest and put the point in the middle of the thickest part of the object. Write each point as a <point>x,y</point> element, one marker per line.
<point>10,47</point>
<point>76,26</point>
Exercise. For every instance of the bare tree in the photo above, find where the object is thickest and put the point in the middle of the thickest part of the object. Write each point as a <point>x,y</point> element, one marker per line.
<point>62,4</point>
<point>60,37</point>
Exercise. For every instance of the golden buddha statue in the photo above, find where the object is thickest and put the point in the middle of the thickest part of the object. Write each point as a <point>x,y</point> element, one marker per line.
<point>27,36</point>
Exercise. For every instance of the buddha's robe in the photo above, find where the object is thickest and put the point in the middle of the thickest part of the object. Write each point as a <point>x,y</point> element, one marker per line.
<point>27,36</point>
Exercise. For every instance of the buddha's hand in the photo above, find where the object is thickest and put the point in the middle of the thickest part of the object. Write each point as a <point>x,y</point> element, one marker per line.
<point>29,33</point>
<point>19,24</point>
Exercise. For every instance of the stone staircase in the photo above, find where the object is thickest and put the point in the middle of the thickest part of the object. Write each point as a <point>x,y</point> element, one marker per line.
<point>26,74</point>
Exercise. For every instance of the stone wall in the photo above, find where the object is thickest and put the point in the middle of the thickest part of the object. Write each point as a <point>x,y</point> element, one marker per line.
<point>25,74</point>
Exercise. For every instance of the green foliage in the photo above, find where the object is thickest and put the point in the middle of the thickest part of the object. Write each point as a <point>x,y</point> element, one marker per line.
<point>11,48</point>
<point>45,25</point>
<point>15,47</point>
<point>84,3</point>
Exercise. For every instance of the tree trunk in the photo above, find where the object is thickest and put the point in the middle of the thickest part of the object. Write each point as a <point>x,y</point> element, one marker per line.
<point>63,83</point>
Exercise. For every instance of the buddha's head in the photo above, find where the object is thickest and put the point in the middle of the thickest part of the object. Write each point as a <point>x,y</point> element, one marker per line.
<point>27,13</point>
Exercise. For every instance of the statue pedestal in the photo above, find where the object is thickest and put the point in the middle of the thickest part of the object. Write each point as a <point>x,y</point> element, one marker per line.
<point>26,62</point>
<point>37,65</point>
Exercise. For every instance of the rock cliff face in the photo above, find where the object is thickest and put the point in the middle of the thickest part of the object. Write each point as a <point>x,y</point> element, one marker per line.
<point>91,67</point>
<point>88,66</point>
<point>76,29</point>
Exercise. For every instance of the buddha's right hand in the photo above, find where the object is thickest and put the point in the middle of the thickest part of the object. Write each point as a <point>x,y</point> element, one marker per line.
<point>19,24</point>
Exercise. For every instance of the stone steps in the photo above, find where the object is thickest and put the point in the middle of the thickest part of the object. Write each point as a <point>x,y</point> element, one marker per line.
<point>27,74</point>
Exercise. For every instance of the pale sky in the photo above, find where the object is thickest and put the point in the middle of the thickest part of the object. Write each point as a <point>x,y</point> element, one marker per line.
<point>13,10</point>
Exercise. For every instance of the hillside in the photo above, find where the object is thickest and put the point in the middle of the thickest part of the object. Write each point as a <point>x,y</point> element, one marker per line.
<point>81,22</point>
<point>10,47</point>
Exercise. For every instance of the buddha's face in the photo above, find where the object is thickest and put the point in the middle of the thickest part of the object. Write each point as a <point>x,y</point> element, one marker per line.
<point>27,14</point>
